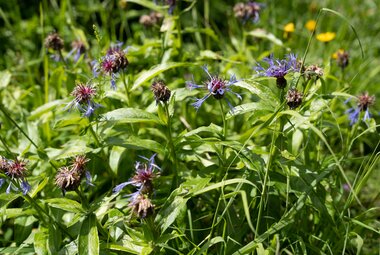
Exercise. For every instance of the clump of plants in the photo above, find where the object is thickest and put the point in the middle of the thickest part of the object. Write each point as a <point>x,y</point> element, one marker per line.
<point>188,127</point>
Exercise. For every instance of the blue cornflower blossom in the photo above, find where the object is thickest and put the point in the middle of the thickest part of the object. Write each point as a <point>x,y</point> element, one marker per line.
<point>112,63</point>
<point>216,87</point>
<point>143,178</point>
<point>16,170</point>
<point>278,68</point>
<point>364,101</point>
<point>78,48</point>
<point>84,99</point>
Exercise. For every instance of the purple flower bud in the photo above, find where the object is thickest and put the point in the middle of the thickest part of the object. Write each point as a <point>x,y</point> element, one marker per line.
<point>248,11</point>
<point>160,91</point>
<point>54,41</point>
<point>293,98</point>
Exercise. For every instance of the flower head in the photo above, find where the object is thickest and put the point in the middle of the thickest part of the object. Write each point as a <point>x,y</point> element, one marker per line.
<point>79,163</point>
<point>313,71</point>
<point>288,29</point>
<point>141,205</point>
<point>69,177</point>
<point>84,95</point>
<point>112,63</point>
<point>278,68</point>
<point>326,37</point>
<point>54,41</point>
<point>217,87</point>
<point>16,170</point>
<point>143,178</point>
<point>160,91</point>
<point>364,101</point>
<point>342,58</point>
<point>78,48</point>
<point>151,20</point>
<point>293,98</point>
<point>248,11</point>
<point>311,25</point>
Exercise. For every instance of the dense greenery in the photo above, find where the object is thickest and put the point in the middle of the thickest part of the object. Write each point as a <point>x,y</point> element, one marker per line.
<point>189,127</point>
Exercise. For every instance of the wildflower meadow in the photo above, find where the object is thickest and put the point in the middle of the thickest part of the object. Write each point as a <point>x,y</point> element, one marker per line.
<point>189,127</point>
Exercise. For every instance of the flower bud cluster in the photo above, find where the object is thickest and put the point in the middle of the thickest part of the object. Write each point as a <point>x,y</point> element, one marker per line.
<point>145,173</point>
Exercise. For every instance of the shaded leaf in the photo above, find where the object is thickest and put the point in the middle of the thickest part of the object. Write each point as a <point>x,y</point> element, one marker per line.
<point>88,240</point>
<point>131,115</point>
<point>154,71</point>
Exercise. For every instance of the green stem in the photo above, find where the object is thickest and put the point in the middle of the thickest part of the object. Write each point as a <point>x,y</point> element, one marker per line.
<point>264,189</point>
<point>207,20</point>
<point>126,87</point>
<point>272,155</point>
<point>83,199</point>
<point>102,154</point>
<point>179,32</point>
<point>62,58</point>
<point>224,120</point>
<point>2,109</point>
<point>172,147</point>
<point>5,145</point>
<point>39,209</point>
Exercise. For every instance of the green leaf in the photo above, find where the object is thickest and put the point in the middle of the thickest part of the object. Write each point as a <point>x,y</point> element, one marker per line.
<point>115,156</point>
<point>212,129</point>
<point>46,108</point>
<point>131,115</point>
<point>65,204</point>
<point>136,143</point>
<point>147,4</point>
<point>154,71</point>
<point>40,241</point>
<point>171,210</point>
<point>88,240</point>
<point>267,96</point>
<point>71,121</point>
<point>5,78</point>
<point>257,108</point>
<point>39,187</point>
<point>263,34</point>
<point>176,203</point>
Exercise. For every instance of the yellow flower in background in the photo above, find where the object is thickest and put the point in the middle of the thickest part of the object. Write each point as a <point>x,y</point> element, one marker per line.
<point>326,37</point>
<point>288,29</point>
<point>310,25</point>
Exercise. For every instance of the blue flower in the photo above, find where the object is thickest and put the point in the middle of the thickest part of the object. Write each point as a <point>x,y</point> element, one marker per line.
<point>84,99</point>
<point>216,87</point>
<point>78,48</point>
<point>278,68</point>
<point>25,187</point>
<point>143,178</point>
<point>16,171</point>
<point>363,103</point>
<point>112,63</point>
